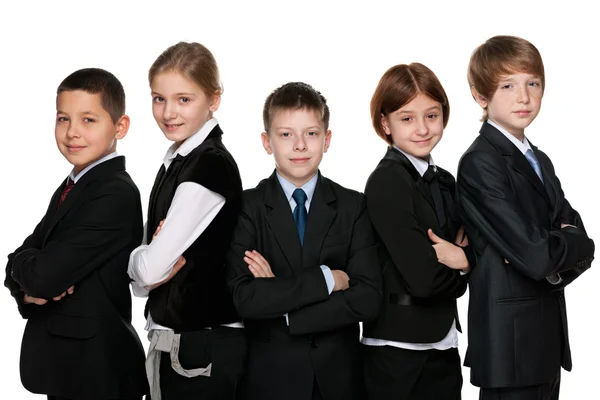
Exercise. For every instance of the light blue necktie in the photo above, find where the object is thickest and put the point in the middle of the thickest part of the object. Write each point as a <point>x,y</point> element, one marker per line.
<point>300,214</point>
<point>530,156</point>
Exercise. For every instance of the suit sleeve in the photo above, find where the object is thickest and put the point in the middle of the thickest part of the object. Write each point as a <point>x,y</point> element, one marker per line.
<point>101,229</point>
<point>486,197</point>
<point>362,300</point>
<point>264,298</point>
<point>33,241</point>
<point>391,207</point>
<point>569,216</point>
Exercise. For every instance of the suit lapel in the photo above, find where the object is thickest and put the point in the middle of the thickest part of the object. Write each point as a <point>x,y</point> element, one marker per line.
<point>396,156</point>
<point>515,158</point>
<point>281,222</point>
<point>320,217</point>
<point>112,165</point>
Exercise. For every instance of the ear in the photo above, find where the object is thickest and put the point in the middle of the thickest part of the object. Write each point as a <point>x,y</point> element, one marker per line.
<point>482,101</point>
<point>385,124</point>
<point>266,142</point>
<point>327,141</point>
<point>215,102</point>
<point>122,126</point>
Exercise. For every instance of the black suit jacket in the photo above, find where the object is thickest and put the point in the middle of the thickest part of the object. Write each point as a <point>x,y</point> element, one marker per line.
<point>517,319</point>
<point>322,340</point>
<point>82,346</point>
<point>419,293</point>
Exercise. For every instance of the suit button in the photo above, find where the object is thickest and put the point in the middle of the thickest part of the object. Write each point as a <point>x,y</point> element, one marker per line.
<point>314,343</point>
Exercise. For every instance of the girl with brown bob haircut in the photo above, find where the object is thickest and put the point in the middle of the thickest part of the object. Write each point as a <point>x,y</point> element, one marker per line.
<point>411,349</point>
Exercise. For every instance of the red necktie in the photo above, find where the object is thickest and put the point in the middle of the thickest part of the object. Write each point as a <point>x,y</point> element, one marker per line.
<point>66,191</point>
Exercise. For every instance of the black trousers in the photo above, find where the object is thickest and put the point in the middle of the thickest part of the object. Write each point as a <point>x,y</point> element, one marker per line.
<point>547,391</point>
<point>224,347</point>
<point>391,373</point>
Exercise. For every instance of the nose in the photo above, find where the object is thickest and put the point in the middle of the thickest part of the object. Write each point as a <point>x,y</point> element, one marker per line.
<point>300,143</point>
<point>523,95</point>
<point>422,128</point>
<point>169,110</point>
<point>73,130</point>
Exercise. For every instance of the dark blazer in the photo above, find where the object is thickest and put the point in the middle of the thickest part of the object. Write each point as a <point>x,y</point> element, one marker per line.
<point>517,319</point>
<point>420,294</point>
<point>322,340</point>
<point>82,346</point>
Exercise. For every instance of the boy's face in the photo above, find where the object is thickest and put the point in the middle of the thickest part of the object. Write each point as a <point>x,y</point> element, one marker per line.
<point>84,130</point>
<point>516,102</point>
<point>417,127</point>
<point>180,107</point>
<point>297,139</point>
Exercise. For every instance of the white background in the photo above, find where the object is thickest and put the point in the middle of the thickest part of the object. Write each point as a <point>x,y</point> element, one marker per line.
<point>341,49</point>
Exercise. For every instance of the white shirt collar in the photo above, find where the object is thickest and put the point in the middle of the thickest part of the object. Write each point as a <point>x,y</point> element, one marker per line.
<point>420,164</point>
<point>107,157</point>
<point>190,143</point>
<point>522,146</point>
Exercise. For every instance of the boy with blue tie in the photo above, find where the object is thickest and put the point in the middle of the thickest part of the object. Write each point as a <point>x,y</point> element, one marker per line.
<point>69,277</point>
<point>530,243</point>
<point>303,266</point>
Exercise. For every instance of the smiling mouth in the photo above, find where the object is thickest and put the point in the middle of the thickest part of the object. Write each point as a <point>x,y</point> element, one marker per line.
<point>523,113</point>
<point>75,149</point>
<point>299,160</point>
<point>172,127</point>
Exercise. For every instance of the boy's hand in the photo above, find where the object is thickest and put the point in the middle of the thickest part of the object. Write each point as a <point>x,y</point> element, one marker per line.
<point>178,265</point>
<point>158,228</point>
<point>341,279</point>
<point>257,264</point>
<point>69,291</point>
<point>461,237</point>
<point>34,300</point>
<point>448,254</point>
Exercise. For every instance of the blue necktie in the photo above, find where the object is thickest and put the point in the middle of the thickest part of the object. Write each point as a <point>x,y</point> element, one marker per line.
<point>530,156</point>
<point>300,214</point>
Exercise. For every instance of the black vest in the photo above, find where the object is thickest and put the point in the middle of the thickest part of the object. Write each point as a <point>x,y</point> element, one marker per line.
<point>197,297</point>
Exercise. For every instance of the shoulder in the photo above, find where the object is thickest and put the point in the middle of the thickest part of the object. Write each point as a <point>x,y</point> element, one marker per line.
<point>388,175</point>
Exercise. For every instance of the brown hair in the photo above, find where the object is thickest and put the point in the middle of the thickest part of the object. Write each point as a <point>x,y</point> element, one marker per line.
<point>193,60</point>
<point>400,85</point>
<point>98,81</point>
<point>295,96</point>
<point>499,56</point>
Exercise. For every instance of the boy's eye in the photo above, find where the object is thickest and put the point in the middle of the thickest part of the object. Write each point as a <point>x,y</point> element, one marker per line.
<point>534,84</point>
<point>311,133</point>
<point>432,116</point>
<point>88,120</point>
<point>507,86</point>
<point>184,99</point>
<point>157,99</point>
<point>405,119</point>
<point>285,134</point>
<point>62,119</point>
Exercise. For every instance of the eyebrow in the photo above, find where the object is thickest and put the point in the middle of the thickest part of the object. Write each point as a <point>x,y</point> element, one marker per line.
<point>411,111</point>
<point>291,129</point>
<point>176,94</point>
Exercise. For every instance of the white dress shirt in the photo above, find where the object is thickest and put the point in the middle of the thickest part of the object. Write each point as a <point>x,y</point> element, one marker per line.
<point>193,208</point>
<point>451,339</point>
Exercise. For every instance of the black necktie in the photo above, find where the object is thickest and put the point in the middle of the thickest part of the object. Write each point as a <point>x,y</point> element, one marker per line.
<point>430,177</point>
<point>300,214</point>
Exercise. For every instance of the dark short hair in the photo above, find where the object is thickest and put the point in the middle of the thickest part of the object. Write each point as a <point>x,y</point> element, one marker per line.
<point>295,96</point>
<point>98,81</point>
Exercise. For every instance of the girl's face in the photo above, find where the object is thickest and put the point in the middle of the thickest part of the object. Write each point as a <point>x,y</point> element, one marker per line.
<point>417,127</point>
<point>180,107</point>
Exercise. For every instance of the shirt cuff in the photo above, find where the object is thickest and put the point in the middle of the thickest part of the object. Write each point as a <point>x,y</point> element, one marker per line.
<point>287,319</point>
<point>328,278</point>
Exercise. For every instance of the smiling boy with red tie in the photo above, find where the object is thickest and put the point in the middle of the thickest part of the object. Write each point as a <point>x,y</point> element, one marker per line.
<point>69,277</point>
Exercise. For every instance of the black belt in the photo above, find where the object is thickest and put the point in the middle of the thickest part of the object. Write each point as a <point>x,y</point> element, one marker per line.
<point>403,299</point>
